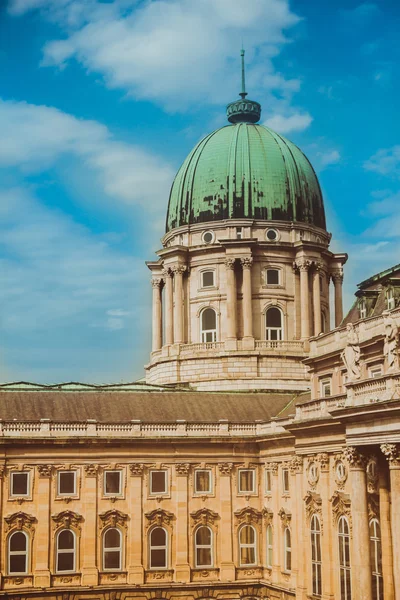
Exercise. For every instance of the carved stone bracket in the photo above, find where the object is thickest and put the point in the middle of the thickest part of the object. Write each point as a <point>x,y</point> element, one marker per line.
<point>112,518</point>
<point>246,262</point>
<point>296,465</point>
<point>268,516</point>
<point>341,507</point>
<point>323,459</point>
<point>159,517</point>
<point>225,468</point>
<point>285,516</point>
<point>91,470</point>
<point>273,467</point>
<point>136,469</point>
<point>67,519</point>
<point>204,516</point>
<point>313,504</point>
<point>45,470</point>
<point>182,469</point>
<point>355,458</point>
<point>248,516</point>
<point>20,520</point>
<point>392,453</point>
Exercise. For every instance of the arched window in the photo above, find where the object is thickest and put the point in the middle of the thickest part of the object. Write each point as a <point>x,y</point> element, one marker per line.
<point>18,553</point>
<point>344,559</point>
<point>287,538</point>
<point>66,551</point>
<point>203,547</point>
<point>376,559</point>
<point>112,550</point>
<point>316,566</point>
<point>208,322</point>
<point>323,322</point>
<point>158,548</point>
<point>247,545</point>
<point>273,320</point>
<point>269,546</point>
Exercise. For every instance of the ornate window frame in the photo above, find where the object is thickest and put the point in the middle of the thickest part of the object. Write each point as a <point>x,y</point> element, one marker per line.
<point>203,332</point>
<point>201,285</point>
<point>25,523</point>
<point>63,521</point>
<point>166,548</point>
<point>210,546</point>
<point>281,329</point>
<point>122,479</point>
<point>120,549</point>
<point>59,551</point>
<point>113,519</point>
<point>204,517</point>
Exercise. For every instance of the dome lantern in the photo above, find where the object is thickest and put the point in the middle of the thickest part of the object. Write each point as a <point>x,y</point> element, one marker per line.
<point>243,111</point>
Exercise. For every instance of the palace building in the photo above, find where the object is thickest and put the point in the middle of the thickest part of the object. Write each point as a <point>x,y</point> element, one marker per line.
<point>261,457</point>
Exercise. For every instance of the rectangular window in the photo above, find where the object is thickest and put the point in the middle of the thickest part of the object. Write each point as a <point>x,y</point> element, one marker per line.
<point>112,483</point>
<point>158,482</point>
<point>326,387</point>
<point>375,371</point>
<point>247,481</point>
<point>239,233</point>
<point>273,277</point>
<point>362,309</point>
<point>207,279</point>
<point>268,481</point>
<point>66,483</point>
<point>390,300</point>
<point>20,484</point>
<point>285,481</point>
<point>202,481</point>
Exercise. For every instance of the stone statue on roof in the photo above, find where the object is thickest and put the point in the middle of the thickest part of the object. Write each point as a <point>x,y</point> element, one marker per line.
<point>351,354</point>
<point>392,341</point>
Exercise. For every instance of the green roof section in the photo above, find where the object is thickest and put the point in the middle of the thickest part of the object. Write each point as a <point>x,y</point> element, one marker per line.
<point>245,170</point>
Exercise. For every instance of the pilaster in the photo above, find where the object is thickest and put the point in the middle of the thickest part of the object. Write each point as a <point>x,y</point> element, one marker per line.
<point>90,571</point>
<point>182,523</point>
<point>43,533</point>
<point>227,565</point>
<point>392,453</point>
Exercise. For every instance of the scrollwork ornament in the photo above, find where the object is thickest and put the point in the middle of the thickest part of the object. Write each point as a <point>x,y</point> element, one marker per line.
<point>204,516</point>
<point>136,469</point>
<point>67,519</point>
<point>285,516</point>
<point>296,465</point>
<point>159,517</point>
<point>246,262</point>
<point>182,469</point>
<point>248,515</point>
<point>45,470</point>
<point>179,269</point>
<point>225,468</point>
<point>91,470</point>
<point>303,264</point>
<point>323,459</point>
<point>340,472</point>
<point>112,518</point>
<point>355,458</point>
<point>273,467</point>
<point>341,506</point>
<point>230,263</point>
<point>268,516</point>
<point>392,453</point>
<point>313,505</point>
<point>337,275</point>
<point>20,520</point>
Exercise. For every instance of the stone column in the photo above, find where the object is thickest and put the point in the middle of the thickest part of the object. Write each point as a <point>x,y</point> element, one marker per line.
<point>386,534</point>
<point>90,529</point>
<point>231,295</point>
<point>392,453</point>
<point>134,498</point>
<point>317,299</point>
<point>226,541</point>
<point>168,314</point>
<point>43,534</point>
<point>361,580</point>
<point>303,265</point>
<point>299,541</point>
<point>182,572</point>
<point>337,277</point>
<point>157,314</point>
<point>178,303</point>
<point>247,263</point>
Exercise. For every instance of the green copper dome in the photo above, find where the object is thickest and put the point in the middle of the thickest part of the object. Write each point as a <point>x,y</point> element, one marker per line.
<point>245,170</point>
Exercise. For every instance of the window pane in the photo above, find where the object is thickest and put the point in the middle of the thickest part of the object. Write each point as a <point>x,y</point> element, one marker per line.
<point>66,540</point>
<point>208,278</point>
<point>158,482</point>
<point>203,481</point>
<point>247,535</point>
<point>288,561</point>
<point>112,559</point>
<point>274,317</point>
<point>18,542</point>
<point>268,481</point>
<point>112,539</point>
<point>158,558</point>
<point>272,277</point>
<point>18,563</point>
<point>158,537</point>
<point>247,556</point>
<point>204,557</point>
<point>246,481</point>
<point>113,482</point>
<point>65,561</point>
<point>19,484</point>
<point>66,483</point>
<point>203,536</point>
<point>209,319</point>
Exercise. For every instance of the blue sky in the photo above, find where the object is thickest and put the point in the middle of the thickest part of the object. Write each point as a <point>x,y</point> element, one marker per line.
<point>100,102</point>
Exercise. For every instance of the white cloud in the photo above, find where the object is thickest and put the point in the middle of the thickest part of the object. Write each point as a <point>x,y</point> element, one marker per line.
<point>330,157</point>
<point>174,52</point>
<point>287,124</point>
<point>35,137</point>
<point>385,162</point>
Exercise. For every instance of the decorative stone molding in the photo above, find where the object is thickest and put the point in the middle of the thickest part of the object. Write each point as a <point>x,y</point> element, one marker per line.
<point>273,467</point>
<point>182,469</point>
<point>392,342</point>
<point>392,453</point>
<point>318,265</point>
<point>156,282</point>
<point>204,516</point>
<point>2,470</point>
<point>166,272</point>
<point>67,519</point>
<point>225,468</point>
<point>313,505</point>
<point>285,516</point>
<point>159,517</point>
<point>351,354</point>
<point>136,469</point>
<point>341,507</point>
<point>112,518</point>
<point>302,264</point>
<point>323,459</point>
<point>248,516</point>
<point>230,263</point>
<point>372,475</point>
<point>295,465</point>
<point>312,471</point>
<point>45,470</point>
<point>91,470</point>
<point>179,269</point>
<point>246,262</point>
<point>20,520</point>
<point>340,472</point>
<point>337,275</point>
<point>267,515</point>
<point>355,458</point>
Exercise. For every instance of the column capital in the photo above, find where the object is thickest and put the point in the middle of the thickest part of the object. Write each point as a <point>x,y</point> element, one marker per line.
<point>246,262</point>
<point>356,460</point>
<point>156,282</point>
<point>166,272</point>
<point>336,275</point>
<point>302,264</point>
<point>179,269</point>
<point>230,263</point>
<point>392,453</point>
<point>318,266</point>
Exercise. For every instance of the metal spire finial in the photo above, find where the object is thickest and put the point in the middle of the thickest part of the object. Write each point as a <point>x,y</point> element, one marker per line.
<point>243,93</point>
